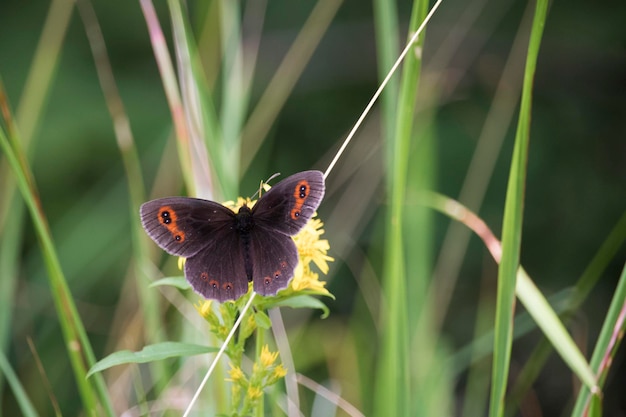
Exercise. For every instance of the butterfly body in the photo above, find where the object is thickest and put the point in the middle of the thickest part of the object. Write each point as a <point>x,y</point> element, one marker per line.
<point>225,250</point>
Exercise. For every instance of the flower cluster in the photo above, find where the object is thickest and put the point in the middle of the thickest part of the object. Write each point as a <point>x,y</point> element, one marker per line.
<point>265,373</point>
<point>311,249</point>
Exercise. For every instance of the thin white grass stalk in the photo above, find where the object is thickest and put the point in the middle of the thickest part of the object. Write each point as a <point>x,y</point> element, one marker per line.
<point>291,383</point>
<point>382,87</point>
<point>329,395</point>
<point>219,353</point>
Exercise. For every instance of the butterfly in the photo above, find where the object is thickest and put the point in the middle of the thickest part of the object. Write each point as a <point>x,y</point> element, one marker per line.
<point>226,250</point>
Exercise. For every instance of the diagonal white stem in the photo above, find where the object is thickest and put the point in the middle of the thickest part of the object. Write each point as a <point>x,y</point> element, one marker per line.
<point>219,354</point>
<point>381,88</point>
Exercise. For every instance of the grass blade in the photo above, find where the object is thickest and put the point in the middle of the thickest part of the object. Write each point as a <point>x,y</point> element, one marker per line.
<point>290,69</point>
<point>236,94</point>
<point>209,156</point>
<point>168,76</point>
<point>18,390</point>
<point>386,21</point>
<point>29,110</point>
<point>584,285</point>
<point>552,327</point>
<point>534,301</point>
<point>393,390</point>
<point>512,225</point>
<point>604,352</point>
<point>78,346</point>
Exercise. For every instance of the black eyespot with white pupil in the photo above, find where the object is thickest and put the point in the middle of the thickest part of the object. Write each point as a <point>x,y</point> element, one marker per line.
<point>302,191</point>
<point>166,217</point>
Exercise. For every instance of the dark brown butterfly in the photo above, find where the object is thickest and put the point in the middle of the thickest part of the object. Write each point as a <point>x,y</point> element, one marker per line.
<point>226,250</point>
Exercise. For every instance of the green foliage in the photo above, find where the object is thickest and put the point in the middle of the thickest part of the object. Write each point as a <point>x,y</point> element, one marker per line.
<point>149,353</point>
<point>208,98</point>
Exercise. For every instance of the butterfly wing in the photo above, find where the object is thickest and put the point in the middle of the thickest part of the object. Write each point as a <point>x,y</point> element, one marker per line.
<point>288,205</point>
<point>184,226</point>
<point>218,270</point>
<point>274,257</point>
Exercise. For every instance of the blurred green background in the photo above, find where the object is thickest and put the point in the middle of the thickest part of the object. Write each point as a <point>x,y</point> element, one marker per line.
<point>574,196</point>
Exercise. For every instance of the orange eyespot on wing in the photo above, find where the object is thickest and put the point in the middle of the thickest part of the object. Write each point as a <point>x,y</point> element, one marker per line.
<point>300,193</point>
<point>184,226</point>
<point>288,205</point>
<point>168,218</point>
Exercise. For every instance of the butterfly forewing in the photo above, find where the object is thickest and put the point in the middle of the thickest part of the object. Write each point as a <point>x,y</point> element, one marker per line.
<point>218,271</point>
<point>184,226</point>
<point>289,205</point>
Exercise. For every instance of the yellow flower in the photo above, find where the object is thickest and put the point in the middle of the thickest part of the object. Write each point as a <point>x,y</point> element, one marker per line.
<point>305,279</point>
<point>267,357</point>
<point>277,373</point>
<point>254,392</point>
<point>280,371</point>
<point>204,308</point>
<point>236,374</point>
<point>311,247</point>
<point>235,205</point>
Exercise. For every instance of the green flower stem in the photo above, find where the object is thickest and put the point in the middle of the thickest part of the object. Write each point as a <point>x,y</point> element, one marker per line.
<point>260,341</point>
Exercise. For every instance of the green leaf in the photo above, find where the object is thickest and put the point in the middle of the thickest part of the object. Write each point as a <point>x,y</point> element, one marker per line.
<point>262,320</point>
<point>150,353</point>
<point>178,282</point>
<point>303,301</point>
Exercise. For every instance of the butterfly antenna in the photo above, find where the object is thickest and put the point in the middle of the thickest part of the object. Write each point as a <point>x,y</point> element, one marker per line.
<point>264,182</point>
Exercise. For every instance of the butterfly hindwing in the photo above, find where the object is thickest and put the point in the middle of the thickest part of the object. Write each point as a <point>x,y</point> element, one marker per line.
<point>218,271</point>
<point>184,226</point>
<point>275,257</point>
<point>288,205</point>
